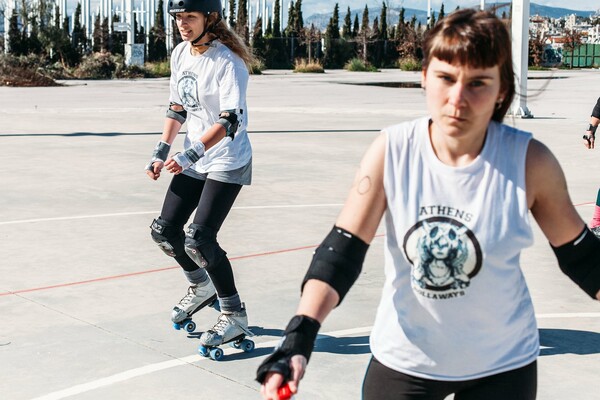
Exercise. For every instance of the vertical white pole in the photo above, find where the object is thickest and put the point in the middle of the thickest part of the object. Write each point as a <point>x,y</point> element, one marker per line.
<point>482,6</point>
<point>110,14</point>
<point>129,20</point>
<point>8,10</point>
<point>249,17</point>
<point>264,15</point>
<point>428,12</point>
<point>520,50</point>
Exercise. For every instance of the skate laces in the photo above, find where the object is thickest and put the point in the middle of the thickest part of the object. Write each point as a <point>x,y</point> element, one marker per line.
<point>222,324</point>
<point>187,299</point>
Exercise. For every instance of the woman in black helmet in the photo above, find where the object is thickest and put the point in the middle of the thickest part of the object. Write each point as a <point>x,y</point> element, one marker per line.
<point>209,78</point>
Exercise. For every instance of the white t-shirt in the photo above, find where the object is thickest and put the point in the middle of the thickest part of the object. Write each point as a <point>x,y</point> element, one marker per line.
<point>205,85</point>
<point>455,305</point>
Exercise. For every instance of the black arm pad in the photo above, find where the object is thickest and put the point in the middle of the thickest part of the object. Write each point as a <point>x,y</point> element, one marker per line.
<point>179,116</point>
<point>338,261</point>
<point>580,261</point>
<point>596,110</point>
<point>230,121</point>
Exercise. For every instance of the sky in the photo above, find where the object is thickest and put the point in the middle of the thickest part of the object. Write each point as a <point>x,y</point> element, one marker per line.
<point>319,6</point>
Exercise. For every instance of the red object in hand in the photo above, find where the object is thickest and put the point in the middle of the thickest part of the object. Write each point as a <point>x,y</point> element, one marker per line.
<point>284,392</point>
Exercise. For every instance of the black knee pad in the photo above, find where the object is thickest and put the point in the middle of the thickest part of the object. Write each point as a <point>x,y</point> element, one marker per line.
<point>168,237</point>
<point>202,247</point>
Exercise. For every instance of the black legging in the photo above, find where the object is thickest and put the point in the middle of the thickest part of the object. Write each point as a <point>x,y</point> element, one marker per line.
<point>213,200</point>
<point>383,383</point>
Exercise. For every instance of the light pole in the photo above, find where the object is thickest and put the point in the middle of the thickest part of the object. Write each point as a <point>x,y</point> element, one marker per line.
<point>520,52</point>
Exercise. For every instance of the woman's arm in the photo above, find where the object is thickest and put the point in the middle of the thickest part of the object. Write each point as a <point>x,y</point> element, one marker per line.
<point>552,208</point>
<point>357,222</point>
<point>360,215</point>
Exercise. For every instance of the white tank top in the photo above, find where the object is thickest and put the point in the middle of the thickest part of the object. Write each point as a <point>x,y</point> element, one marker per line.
<point>455,305</point>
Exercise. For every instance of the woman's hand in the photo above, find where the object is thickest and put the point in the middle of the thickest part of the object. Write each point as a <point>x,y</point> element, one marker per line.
<point>173,167</point>
<point>271,387</point>
<point>154,171</point>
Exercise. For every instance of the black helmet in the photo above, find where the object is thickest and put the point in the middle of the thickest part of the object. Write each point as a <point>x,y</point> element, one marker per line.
<point>203,6</point>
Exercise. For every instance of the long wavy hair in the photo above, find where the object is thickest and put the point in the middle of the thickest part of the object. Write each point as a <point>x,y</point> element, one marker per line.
<point>477,39</point>
<point>219,29</point>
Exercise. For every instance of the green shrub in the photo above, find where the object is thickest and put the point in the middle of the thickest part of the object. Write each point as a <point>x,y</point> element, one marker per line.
<point>160,69</point>
<point>409,64</point>
<point>23,71</point>
<point>302,65</point>
<point>257,67</point>
<point>98,66</point>
<point>357,65</point>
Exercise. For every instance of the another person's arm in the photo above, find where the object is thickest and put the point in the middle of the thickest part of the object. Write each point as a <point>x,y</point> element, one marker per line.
<point>354,229</point>
<point>576,247</point>
<point>590,133</point>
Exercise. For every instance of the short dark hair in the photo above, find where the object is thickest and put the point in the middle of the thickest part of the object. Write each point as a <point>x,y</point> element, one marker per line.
<point>477,39</point>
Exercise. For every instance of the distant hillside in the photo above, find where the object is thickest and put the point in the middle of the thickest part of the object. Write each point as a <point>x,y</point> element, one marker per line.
<point>320,20</point>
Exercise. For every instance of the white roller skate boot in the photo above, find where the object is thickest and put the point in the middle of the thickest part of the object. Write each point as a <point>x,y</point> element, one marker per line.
<point>596,231</point>
<point>197,297</point>
<point>231,327</point>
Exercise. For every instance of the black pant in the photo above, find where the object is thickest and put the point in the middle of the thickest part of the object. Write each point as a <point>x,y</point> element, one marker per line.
<point>212,201</point>
<point>383,383</point>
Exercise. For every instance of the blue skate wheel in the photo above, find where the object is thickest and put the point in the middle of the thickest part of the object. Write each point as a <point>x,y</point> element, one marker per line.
<point>176,325</point>
<point>247,345</point>
<point>235,345</point>
<point>216,354</point>
<point>203,351</point>
<point>190,326</point>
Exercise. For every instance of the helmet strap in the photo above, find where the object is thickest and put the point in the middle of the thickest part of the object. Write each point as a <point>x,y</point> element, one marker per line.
<point>208,29</point>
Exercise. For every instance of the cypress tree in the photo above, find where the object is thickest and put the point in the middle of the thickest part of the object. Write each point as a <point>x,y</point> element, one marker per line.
<point>241,24</point>
<point>277,19</point>
<point>231,19</point>
<point>347,28</point>
<point>157,39</point>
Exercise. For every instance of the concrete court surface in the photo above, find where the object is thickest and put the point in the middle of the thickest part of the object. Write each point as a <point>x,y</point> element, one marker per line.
<point>85,295</point>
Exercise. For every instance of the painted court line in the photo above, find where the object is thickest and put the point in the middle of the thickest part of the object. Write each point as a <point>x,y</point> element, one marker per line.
<point>124,214</point>
<point>148,369</point>
<point>151,271</point>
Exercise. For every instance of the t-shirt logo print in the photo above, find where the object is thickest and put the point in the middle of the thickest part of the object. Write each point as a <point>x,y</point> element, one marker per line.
<point>444,253</point>
<point>188,92</point>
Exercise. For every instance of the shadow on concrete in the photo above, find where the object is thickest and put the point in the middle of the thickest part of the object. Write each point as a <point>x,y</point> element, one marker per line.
<point>565,341</point>
<point>343,345</point>
<point>111,134</point>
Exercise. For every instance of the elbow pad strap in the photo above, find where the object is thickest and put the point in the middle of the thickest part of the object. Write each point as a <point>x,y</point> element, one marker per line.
<point>580,261</point>
<point>338,261</point>
<point>230,121</point>
<point>179,116</point>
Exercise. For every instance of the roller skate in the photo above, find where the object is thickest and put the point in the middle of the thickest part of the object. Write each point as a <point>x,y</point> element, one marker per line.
<point>232,328</point>
<point>197,298</point>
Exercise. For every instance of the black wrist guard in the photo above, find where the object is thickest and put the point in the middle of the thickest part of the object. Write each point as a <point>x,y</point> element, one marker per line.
<point>580,261</point>
<point>592,129</point>
<point>298,338</point>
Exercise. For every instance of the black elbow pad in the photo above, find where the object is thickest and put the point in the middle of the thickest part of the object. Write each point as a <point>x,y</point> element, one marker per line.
<point>338,261</point>
<point>580,261</point>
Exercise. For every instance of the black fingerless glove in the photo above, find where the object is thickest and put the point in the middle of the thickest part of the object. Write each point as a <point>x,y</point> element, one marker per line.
<point>298,338</point>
